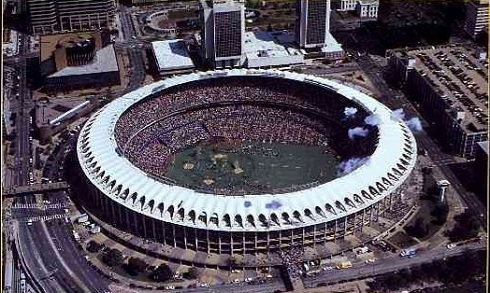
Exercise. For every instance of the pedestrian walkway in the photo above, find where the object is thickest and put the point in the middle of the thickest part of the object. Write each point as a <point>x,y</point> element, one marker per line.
<point>46,218</point>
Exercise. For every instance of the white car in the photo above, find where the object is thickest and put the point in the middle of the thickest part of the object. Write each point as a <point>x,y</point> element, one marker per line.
<point>451,245</point>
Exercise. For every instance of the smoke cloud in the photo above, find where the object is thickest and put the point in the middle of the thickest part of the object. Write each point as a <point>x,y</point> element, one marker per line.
<point>273,205</point>
<point>398,114</point>
<point>346,167</point>
<point>372,120</point>
<point>414,124</point>
<point>350,111</point>
<point>357,132</point>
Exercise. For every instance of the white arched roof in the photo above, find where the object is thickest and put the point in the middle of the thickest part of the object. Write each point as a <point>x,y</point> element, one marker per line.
<point>368,184</point>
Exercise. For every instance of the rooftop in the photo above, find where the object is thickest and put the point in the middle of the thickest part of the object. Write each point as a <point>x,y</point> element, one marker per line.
<point>484,146</point>
<point>104,61</point>
<point>460,78</point>
<point>172,54</point>
<point>269,44</point>
<point>48,42</point>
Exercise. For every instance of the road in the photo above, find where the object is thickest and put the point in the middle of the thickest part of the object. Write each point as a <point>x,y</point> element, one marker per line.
<point>390,264</point>
<point>395,99</point>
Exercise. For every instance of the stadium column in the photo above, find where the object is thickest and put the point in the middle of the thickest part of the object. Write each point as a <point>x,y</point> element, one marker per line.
<point>144,218</point>
<point>314,236</point>
<point>208,248</point>
<point>173,235</point>
<point>113,213</point>
<point>255,245</point>
<point>325,231</point>
<point>153,229</point>
<point>120,213</point>
<point>163,232</point>
<point>303,235</point>
<point>126,212</point>
<point>335,232</point>
<point>244,243</point>
<point>219,243</point>
<point>268,240</point>
<point>195,240</point>
<point>363,218</point>
<point>371,214</point>
<point>345,225</point>
<point>231,242</point>
<point>185,237</point>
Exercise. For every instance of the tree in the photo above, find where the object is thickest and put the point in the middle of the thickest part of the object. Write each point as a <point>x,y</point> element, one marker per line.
<point>135,265</point>
<point>193,273</point>
<point>162,273</point>
<point>112,257</point>
<point>419,229</point>
<point>93,246</point>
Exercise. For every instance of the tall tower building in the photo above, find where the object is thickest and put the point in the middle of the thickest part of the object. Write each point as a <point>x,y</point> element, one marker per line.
<point>313,23</point>
<point>223,32</point>
<point>44,19</point>
<point>50,16</point>
<point>476,17</point>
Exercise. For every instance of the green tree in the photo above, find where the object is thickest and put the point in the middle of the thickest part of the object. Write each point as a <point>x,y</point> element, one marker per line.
<point>193,273</point>
<point>112,257</point>
<point>162,273</point>
<point>136,265</point>
<point>93,246</point>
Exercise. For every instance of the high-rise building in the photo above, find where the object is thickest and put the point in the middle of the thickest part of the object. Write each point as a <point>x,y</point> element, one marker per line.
<point>313,24</point>
<point>44,19</point>
<point>223,32</point>
<point>476,17</point>
<point>49,16</point>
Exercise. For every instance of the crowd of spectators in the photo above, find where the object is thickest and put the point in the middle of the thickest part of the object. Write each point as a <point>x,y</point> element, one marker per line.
<point>152,131</point>
<point>292,260</point>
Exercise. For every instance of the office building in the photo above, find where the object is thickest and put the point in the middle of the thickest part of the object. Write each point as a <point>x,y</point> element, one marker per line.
<point>52,16</point>
<point>476,19</point>
<point>78,60</point>
<point>363,8</point>
<point>451,83</point>
<point>223,32</point>
<point>313,23</point>
<point>172,57</point>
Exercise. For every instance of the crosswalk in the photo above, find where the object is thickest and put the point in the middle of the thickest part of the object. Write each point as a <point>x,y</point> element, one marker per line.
<point>46,218</point>
<point>39,206</point>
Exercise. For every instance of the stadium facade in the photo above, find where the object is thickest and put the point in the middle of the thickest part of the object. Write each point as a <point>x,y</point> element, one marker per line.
<point>124,195</point>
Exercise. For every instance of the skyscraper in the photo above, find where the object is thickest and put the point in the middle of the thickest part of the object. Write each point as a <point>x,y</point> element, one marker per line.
<point>476,17</point>
<point>313,23</point>
<point>50,16</point>
<point>223,32</point>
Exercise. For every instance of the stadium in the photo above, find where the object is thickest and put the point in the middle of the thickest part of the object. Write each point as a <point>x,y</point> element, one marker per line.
<point>244,161</point>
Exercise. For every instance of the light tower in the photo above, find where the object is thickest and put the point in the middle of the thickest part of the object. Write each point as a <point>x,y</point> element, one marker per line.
<point>442,185</point>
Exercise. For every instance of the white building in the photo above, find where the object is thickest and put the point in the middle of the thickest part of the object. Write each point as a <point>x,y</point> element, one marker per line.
<point>367,8</point>
<point>363,8</point>
<point>313,24</point>
<point>223,32</point>
<point>347,5</point>
<point>271,49</point>
<point>476,17</point>
<point>172,57</point>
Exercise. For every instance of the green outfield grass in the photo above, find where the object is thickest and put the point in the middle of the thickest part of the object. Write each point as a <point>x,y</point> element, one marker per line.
<point>251,166</point>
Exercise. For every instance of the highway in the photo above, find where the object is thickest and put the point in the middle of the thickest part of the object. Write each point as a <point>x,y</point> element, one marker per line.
<point>394,100</point>
<point>389,264</point>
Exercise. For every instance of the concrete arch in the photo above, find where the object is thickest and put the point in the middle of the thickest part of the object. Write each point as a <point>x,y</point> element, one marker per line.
<point>373,191</point>
<point>171,211</point>
<point>285,216</point>
<point>227,220</point>
<point>203,217</point>
<point>181,213</point>
<point>329,208</point>
<point>349,202</point>
<point>309,214</point>
<point>358,199</point>
<point>239,220</point>
<point>397,172</point>
<point>339,205</point>
<point>275,219</point>
<point>401,167</point>
<point>366,195</point>
<point>392,177</point>
<point>117,190</point>
<point>251,220</point>
<point>386,181</point>
<point>124,194</point>
<point>214,219</point>
<point>380,186</point>
<point>263,220</point>
<point>151,205</point>
<point>297,215</point>
<point>192,216</point>
<point>319,211</point>
<point>142,201</point>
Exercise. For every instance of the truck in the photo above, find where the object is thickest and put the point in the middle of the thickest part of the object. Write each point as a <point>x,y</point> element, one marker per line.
<point>409,252</point>
<point>82,219</point>
<point>76,236</point>
<point>343,265</point>
<point>95,230</point>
